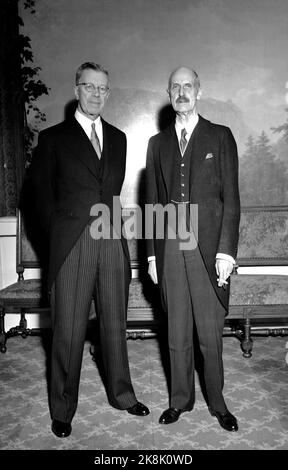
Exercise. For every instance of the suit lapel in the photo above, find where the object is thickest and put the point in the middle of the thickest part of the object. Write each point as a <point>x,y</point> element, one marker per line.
<point>81,146</point>
<point>197,147</point>
<point>107,152</point>
<point>168,151</point>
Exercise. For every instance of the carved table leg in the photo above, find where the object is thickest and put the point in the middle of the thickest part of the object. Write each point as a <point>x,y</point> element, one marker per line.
<point>2,331</point>
<point>247,342</point>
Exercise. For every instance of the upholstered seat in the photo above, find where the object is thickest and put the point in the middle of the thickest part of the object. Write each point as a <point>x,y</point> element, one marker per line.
<point>260,300</point>
<point>137,298</point>
<point>255,289</point>
<point>248,289</point>
<point>25,295</point>
<point>253,297</point>
<point>28,290</point>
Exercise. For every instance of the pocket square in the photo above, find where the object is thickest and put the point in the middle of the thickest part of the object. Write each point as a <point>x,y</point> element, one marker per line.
<point>209,155</point>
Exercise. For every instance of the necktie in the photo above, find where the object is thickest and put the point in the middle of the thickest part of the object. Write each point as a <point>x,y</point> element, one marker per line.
<point>183,141</point>
<point>95,141</point>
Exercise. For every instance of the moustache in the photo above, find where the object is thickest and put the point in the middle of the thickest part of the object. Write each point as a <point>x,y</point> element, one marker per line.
<point>182,99</point>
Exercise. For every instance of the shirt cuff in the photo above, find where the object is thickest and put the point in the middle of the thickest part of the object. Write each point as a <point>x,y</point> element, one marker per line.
<point>226,257</point>
<point>151,258</point>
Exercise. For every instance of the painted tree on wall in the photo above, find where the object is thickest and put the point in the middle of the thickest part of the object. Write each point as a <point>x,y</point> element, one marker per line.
<point>20,87</point>
<point>263,175</point>
<point>283,128</point>
<point>33,88</point>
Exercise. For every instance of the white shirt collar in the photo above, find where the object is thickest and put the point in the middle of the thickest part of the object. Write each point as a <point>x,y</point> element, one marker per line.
<point>189,126</point>
<point>86,123</point>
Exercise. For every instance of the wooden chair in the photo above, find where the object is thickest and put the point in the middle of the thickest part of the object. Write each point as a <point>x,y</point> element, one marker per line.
<point>25,295</point>
<point>260,301</point>
<point>28,295</point>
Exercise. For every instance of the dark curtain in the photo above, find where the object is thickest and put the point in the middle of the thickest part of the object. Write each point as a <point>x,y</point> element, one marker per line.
<point>11,109</point>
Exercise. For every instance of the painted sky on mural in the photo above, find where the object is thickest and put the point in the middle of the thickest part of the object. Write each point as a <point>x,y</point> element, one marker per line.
<point>238,47</point>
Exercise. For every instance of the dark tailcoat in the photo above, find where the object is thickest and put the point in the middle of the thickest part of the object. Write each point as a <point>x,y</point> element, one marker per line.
<point>213,186</point>
<point>68,180</point>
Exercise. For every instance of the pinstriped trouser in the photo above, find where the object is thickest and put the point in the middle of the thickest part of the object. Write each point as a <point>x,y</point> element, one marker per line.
<point>93,268</point>
<point>189,299</point>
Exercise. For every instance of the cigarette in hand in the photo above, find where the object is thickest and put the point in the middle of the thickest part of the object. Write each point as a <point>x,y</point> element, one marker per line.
<point>223,283</point>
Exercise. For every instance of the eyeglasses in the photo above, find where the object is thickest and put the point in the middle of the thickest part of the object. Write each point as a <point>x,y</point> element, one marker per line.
<point>91,88</point>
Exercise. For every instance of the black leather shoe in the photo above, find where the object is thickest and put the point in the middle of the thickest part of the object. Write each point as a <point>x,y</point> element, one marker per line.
<point>61,429</point>
<point>171,415</point>
<point>138,409</point>
<point>226,420</point>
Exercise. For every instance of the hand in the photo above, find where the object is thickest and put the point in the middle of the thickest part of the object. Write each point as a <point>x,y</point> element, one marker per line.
<point>223,269</point>
<point>152,271</point>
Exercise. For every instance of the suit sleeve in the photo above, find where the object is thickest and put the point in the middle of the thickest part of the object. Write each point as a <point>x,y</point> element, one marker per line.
<point>229,235</point>
<point>123,148</point>
<point>41,177</point>
<point>150,197</point>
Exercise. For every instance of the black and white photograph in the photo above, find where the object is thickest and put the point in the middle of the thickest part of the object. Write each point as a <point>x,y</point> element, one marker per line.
<point>144,228</point>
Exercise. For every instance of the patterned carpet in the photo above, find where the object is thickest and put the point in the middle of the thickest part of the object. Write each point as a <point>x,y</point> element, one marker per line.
<point>255,391</point>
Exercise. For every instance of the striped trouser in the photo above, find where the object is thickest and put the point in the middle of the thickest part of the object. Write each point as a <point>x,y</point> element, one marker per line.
<point>93,269</point>
<point>191,302</point>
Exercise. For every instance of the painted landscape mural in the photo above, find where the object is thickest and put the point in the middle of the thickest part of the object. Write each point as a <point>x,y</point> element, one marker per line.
<point>239,48</point>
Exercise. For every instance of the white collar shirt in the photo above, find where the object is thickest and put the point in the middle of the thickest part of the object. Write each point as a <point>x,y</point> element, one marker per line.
<point>189,126</point>
<point>86,123</point>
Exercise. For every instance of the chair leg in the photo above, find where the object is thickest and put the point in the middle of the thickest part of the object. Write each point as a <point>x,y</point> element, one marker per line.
<point>23,325</point>
<point>2,331</point>
<point>247,342</point>
<point>20,329</point>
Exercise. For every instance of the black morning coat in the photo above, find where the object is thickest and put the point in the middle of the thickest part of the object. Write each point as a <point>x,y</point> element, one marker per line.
<point>213,186</point>
<point>67,181</point>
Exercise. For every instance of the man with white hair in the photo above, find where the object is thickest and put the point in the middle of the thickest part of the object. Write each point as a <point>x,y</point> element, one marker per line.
<point>194,161</point>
